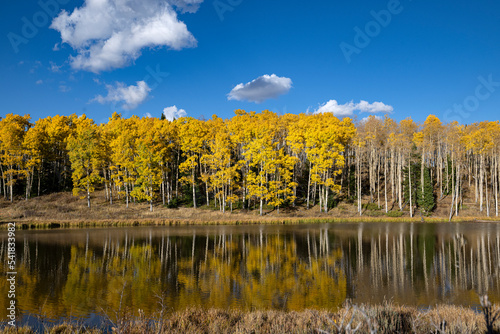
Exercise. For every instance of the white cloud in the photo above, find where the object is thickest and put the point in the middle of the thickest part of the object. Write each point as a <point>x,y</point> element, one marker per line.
<point>39,82</point>
<point>128,96</point>
<point>340,110</point>
<point>148,115</point>
<point>172,113</point>
<point>347,109</point>
<point>374,107</point>
<point>261,89</point>
<point>54,67</point>
<point>110,34</point>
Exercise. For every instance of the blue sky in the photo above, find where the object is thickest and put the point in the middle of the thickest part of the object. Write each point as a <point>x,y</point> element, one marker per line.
<point>354,58</point>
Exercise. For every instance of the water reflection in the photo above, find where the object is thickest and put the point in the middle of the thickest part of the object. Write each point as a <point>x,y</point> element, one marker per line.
<point>78,272</point>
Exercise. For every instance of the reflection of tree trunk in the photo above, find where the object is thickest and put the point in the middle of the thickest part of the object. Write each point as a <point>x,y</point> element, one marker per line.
<point>206,248</point>
<point>360,248</point>
<point>192,251</point>
<point>309,249</point>
<point>401,261</point>
<point>424,265</point>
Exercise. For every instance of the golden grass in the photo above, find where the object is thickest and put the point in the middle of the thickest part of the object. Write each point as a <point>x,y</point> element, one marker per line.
<point>65,210</point>
<point>385,318</point>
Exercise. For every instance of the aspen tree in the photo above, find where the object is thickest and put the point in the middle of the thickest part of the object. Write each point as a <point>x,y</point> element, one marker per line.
<point>86,156</point>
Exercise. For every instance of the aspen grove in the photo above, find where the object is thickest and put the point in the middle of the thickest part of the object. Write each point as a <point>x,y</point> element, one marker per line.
<point>254,161</point>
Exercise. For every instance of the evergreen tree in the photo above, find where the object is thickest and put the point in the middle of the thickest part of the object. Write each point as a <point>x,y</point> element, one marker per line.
<point>425,200</point>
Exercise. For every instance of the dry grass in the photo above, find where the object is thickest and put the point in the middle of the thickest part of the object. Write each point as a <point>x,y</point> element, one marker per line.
<point>65,210</point>
<point>386,318</point>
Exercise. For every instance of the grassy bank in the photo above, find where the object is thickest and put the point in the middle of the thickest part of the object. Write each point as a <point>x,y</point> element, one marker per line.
<point>66,211</point>
<point>374,319</point>
<point>50,224</point>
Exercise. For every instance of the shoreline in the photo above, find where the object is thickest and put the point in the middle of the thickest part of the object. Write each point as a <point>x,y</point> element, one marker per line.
<point>84,223</point>
<point>63,210</point>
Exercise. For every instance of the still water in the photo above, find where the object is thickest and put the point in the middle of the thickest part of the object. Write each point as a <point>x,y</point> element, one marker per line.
<point>82,272</point>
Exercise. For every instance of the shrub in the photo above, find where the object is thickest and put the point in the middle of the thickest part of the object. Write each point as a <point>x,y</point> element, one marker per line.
<point>371,206</point>
<point>374,213</point>
<point>394,213</point>
<point>173,203</point>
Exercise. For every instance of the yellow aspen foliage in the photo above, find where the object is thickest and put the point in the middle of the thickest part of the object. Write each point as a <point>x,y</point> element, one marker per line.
<point>222,175</point>
<point>12,132</point>
<point>192,135</point>
<point>86,156</point>
<point>147,162</point>
<point>124,133</point>
<point>325,141</point>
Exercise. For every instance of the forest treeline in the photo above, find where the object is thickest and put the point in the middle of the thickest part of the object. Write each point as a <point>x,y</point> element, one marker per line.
<point>254,160</point>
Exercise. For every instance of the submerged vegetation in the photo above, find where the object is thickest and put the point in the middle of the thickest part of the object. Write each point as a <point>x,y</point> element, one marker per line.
<point>256,161</point>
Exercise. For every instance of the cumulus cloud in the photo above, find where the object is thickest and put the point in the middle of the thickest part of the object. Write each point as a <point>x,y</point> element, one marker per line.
<point>347,109</point>
<point>108,34</point>
<point>340,110</point>
<point>261,89</point>
<point>172,113</point>
<point>374,107</point>
<point>129,97</point>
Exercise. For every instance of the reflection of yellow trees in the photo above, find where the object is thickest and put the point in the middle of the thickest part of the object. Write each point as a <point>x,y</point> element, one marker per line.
<point>211,282</point>
<point>33,293</point>
<point>258,270</point>
<point>221,271</point>
<point>129,276</point>
<point>279,278</point>
<point>261,276</point>
<point>83,286</point>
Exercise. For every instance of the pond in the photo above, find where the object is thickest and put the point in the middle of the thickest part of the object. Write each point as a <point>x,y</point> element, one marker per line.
<point>90,272</point>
